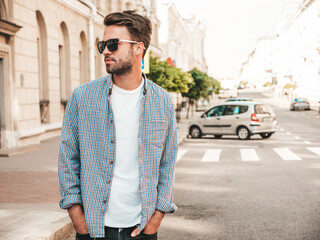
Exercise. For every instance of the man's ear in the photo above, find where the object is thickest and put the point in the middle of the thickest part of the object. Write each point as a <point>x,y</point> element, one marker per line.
<point>140,48</point>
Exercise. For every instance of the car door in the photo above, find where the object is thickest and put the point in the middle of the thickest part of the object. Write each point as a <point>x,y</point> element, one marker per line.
<point>211,122</point>
<point>230,119</point>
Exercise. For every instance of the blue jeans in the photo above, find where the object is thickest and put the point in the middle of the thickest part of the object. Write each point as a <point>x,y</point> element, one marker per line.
<point>119,234</point>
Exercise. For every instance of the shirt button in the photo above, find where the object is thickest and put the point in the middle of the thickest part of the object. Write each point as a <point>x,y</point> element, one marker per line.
<point>111,121</point>
<point>104,201</point>
<point>111,162</point>
<point>108,181</point>
<point>112,141</point>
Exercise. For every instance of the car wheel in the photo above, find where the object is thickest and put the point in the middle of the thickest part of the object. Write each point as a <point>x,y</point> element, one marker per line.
<point>217,136</point>
<point>243,133</point>
<point>195,132</point>
<point>265,135</point>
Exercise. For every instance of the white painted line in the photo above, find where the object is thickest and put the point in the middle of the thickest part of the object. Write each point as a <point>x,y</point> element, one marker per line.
<point>289,133</point>
<point>297,137</point>
<point>181,152</point>
<point>281,130</point>
<point>307,142</point>
<point>315,150</point>
<point>249,155</point>
<point>211,155</point>
<point>286,154</point>
<point>318,117</point>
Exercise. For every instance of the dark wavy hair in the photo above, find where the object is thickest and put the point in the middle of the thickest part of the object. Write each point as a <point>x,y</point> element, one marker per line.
<point>139,27</point>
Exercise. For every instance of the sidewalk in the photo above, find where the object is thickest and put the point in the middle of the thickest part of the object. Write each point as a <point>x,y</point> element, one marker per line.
<point>29,192</point>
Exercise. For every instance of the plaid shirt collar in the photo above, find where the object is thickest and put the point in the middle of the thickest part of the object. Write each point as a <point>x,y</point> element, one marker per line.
<point>110,84</point>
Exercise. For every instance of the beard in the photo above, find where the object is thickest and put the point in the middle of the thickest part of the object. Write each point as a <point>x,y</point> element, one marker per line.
<point>121,66</point>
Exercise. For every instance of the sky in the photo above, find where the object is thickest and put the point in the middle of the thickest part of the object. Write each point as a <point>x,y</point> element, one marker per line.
<point>233,28</point>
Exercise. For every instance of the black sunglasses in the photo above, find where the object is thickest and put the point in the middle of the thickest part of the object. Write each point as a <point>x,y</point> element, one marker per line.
<point>111,44</point>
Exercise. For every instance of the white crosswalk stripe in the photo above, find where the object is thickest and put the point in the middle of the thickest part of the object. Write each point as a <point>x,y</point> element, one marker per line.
<point>286,154</point>
<point>211,155</point>
<point>315,150</point>
<point>180,154</point>
<point>249,155</point>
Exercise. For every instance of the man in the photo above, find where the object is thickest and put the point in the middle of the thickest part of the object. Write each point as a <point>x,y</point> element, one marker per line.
<point>119,142</point>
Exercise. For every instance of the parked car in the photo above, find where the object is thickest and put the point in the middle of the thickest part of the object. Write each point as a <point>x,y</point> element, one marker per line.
<point>238,99</point>
<point>236,118</point>
<point>300,104</point>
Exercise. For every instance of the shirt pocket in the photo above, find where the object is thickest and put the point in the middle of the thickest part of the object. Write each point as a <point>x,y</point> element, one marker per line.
<point>156,131</point>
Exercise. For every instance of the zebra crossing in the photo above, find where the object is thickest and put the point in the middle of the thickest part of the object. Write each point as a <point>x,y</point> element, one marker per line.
<point>251,154</point>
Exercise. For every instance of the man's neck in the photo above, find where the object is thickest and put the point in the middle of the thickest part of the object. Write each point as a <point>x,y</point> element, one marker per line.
<point>129,81</point>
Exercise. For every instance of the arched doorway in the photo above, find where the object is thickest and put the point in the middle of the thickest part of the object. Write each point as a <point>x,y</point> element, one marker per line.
<point>42,43</point>
<point>84,59</point>
<point>64,65</point>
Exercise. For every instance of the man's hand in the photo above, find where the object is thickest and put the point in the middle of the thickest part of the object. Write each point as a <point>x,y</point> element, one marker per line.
<point>153,224</point>
<point>78,219</point>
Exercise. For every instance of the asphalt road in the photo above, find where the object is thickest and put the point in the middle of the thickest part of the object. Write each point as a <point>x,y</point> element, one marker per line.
<point>273,194</point>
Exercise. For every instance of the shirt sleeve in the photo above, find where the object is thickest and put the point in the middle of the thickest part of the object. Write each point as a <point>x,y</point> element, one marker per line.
<point>167,165</point>
<point>69,157</point>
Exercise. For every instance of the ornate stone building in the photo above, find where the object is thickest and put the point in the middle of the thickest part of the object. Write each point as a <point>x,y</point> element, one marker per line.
<point>47,48</point>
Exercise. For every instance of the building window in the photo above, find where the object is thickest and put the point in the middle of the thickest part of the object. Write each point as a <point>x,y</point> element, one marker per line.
<point>109,6</point>
<point>43,68</point>
<point>64,65</point>
<point>84,59</point>
<point>119,5</point>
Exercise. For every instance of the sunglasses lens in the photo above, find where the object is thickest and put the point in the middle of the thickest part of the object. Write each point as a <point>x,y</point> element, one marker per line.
<point>112,44</point>
<point>101,47</point>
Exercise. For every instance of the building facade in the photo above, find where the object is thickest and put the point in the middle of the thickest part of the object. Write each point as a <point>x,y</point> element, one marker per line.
<point>181,38</point>
<point>47,48</point>
<point>291,58</point>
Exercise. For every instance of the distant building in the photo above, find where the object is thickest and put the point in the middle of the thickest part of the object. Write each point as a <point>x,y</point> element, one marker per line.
<point>292,57</point>
<point>181,38</point>
<point>258,69</point>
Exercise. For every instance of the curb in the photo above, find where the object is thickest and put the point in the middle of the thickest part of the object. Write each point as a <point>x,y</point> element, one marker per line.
<point>8,152</point>
<point>62,233</point>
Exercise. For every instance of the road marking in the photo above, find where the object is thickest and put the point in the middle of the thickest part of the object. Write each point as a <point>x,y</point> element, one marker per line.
<point>180,154</point>
<point>249,155</point>
<point>315,150</point>
<point>307,142</point>
<point>286,154</point>
<point>289,133</point>
<point>281,130</point>
<point>297,137</point>
<point>211,155</point>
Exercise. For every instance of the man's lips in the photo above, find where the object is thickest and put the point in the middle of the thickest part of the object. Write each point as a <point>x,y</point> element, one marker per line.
<point>109,60</point>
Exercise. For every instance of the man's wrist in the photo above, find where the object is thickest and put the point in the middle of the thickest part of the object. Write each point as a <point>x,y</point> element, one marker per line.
<point>157,211</point>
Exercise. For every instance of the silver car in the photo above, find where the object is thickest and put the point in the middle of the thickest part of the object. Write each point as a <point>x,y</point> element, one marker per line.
<point>236,118</point>
<point>299,103</point>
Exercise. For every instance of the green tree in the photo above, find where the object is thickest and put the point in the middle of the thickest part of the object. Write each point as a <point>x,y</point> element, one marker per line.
<point>170,78</point>
<point>198,88</point>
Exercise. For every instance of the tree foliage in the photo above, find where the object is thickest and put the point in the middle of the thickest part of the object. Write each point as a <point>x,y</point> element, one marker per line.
<point>202,85</point>
<point>170,78</point>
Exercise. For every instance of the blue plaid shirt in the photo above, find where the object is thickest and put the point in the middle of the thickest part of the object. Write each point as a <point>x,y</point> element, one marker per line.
<point>88,147</point>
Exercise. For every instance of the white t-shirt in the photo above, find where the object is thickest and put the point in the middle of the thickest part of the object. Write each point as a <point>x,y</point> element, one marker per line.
<point>124,207</point>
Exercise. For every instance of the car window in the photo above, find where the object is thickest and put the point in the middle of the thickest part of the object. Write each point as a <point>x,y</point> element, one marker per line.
<point>301,100</point>
<point>262,109</point>
<point>243,109</point>
<point>216,111</point>
<point>231,109</point>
